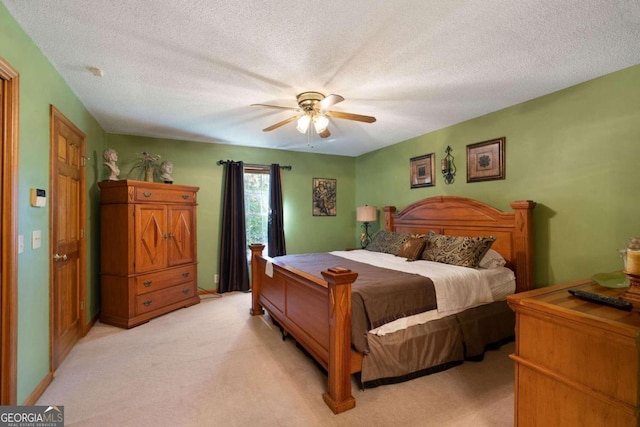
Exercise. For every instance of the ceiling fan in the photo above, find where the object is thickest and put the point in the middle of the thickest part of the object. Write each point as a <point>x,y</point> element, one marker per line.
<point>313,108</point>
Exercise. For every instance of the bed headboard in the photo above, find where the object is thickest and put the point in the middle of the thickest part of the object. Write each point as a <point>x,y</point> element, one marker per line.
<point>459,216</point>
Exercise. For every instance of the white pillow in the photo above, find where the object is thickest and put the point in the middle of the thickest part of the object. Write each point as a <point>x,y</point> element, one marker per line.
<point>492,259</point>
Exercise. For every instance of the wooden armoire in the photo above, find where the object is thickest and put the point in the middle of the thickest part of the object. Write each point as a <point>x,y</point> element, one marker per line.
<point>148,250</point>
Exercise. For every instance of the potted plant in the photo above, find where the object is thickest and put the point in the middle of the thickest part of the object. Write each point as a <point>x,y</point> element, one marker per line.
<point>146,166</point>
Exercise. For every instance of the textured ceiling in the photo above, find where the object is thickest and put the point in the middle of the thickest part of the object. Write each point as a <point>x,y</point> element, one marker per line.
<point>190,69</point>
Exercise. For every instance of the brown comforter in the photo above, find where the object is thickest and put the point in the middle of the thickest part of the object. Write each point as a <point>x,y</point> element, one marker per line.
<point>379,295</point>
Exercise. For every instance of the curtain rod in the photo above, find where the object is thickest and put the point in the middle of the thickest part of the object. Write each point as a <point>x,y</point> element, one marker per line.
<point>223,162</point>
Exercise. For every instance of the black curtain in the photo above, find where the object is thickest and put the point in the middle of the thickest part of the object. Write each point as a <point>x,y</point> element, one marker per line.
<point>234,271</point>
<point>275,232</point>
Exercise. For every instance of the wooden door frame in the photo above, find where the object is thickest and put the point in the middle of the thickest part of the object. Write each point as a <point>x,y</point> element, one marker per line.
<point>9,234</point>
<point>82,218</point>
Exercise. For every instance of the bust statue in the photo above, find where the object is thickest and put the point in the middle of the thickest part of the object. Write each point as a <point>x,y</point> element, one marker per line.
<point>111,157</point>
<point>166,168</point>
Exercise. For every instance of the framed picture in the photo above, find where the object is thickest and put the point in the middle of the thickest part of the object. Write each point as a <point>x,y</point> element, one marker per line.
<point>485,160</point>
<point>324,197</point>
<point>422,171</point>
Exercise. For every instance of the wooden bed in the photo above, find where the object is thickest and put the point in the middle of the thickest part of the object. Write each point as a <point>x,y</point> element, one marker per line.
<point>317,312</point>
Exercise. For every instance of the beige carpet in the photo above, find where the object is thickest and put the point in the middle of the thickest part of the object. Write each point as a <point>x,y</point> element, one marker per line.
<point>214,365</point>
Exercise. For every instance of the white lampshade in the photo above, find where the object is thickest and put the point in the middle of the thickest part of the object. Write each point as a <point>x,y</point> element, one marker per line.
<point>320,123</point>
<point>366,213</point>
<point>303,123</point>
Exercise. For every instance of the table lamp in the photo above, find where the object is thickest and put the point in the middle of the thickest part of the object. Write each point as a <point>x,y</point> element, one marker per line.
<point>366,214</point>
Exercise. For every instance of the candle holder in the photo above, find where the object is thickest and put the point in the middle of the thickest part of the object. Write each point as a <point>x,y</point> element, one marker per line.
<point>632,270</point>
<point>633,293</point>
<point>447,167</point>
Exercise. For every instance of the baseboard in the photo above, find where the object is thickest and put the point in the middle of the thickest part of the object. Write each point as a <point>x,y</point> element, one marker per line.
<point>86,328</point>
<point>37,392</point>
<point>208,292</point>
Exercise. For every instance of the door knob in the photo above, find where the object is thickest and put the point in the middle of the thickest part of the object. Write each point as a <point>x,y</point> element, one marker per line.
<point>58,257</point>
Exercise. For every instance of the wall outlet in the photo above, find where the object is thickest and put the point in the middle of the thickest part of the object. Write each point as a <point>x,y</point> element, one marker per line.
<point>20,243</point>
<point>216,278</point>
<point>36,239</point>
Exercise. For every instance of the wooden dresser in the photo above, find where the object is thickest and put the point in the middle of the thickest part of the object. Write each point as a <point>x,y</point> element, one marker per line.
<point>576,362</point>
<point>148,250</point>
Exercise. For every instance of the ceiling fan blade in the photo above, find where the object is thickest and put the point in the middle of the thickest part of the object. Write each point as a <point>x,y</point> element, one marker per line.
<point>277,107</point>
<point>325,133</point>
<point>328,102</point>
<point>282,123</point>
<point>350,116</point>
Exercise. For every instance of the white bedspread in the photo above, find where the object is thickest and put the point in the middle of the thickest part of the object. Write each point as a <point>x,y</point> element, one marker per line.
<point>457,288</point>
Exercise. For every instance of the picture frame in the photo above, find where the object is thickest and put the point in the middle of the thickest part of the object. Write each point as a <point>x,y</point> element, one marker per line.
<point>485,160</point>
<point>324,196</point>
<point>422,171</point>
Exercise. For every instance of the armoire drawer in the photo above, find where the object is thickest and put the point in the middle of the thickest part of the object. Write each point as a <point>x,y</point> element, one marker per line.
<point>152,282</point>
<point>158,299</point>
<point>162,195</point>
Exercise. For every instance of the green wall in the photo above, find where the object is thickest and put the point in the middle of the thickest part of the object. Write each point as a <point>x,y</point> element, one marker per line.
<point>195,164</point>
<point>575,152</point>
<point>40,87</point>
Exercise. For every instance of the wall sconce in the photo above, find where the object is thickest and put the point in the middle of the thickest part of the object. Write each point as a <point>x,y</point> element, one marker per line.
<point>366,214</point>
<point>448,168</point>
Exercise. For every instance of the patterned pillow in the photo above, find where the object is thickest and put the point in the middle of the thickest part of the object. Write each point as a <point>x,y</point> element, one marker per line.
<point>387,242</point>
<point>456,250</point>
<point>412,248</point>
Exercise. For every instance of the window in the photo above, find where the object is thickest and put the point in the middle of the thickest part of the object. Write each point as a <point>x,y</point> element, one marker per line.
<point>256,205</point>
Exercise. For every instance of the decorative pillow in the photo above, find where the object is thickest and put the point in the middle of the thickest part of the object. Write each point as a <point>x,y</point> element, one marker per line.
<point>492,259</point>
<point>387,242</point>
<point>412,248</point>
<point>456,250</point>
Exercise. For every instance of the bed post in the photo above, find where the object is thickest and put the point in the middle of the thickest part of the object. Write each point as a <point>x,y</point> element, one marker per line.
<point>338,396</point>
<point>523,244</point>
<point>256,251</point>
<point>388,217</point>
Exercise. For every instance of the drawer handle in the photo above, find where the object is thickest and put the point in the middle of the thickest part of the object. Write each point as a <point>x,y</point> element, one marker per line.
<point>186,291</point>
<point>185,274</point>
<point>147,283</point>
<point>147,303</point>
<point>185,196</point>
<point>147,194</point>
<point>167,236</point>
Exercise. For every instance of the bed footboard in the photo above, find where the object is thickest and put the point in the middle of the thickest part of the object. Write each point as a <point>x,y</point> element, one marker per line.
<point>317,313</point>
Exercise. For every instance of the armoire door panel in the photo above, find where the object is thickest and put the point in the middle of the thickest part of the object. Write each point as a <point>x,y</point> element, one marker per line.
<point>151,237</point>
<point>181,240</point>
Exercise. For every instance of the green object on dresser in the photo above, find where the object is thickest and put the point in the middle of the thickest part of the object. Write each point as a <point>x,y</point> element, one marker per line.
<point>611,280</point>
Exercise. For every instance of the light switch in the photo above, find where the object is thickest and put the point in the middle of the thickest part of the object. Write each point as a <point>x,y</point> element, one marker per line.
<point>20,243</point>
<point>36,239</point>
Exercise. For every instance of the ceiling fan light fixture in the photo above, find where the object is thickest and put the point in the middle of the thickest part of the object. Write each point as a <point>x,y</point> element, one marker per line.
<point>314,107</point>
<point>303,123</point>
<point>320,123</point>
